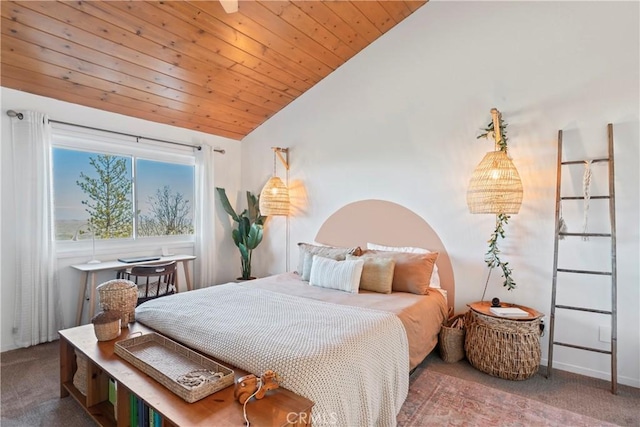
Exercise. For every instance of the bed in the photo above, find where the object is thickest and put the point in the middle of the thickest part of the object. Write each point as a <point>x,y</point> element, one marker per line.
<point>348,352</point>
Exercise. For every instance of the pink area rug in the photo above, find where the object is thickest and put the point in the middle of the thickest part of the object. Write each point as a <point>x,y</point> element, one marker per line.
<point>440,400</point>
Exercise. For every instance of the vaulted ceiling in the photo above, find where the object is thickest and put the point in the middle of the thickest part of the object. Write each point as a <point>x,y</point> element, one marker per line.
<point>186,63</point>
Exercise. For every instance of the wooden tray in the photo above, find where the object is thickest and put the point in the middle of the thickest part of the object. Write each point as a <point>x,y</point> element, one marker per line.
<point>180,369</point>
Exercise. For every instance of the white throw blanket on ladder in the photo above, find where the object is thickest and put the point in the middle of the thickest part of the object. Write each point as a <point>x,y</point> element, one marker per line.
<point>586,189</point>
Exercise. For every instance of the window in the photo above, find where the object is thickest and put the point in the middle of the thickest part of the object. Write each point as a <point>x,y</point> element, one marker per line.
<point>165,198</point>
<point>115,189</point>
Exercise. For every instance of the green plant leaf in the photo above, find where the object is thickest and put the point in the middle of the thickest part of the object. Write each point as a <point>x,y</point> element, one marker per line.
<point>244,226</point>
<point>225,203</point>
<point>244,251</point>
<point>252,207</point>
<point>235,234</point>
<point>255,236</point>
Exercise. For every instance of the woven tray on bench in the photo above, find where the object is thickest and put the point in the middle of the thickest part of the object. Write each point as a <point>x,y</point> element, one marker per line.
<point>180,369</point>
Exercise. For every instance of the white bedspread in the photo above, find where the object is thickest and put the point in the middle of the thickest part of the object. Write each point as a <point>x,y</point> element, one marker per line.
<point>351,362</point>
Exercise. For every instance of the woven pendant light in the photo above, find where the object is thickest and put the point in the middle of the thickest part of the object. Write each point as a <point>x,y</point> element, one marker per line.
<point>495,186</point>
<point>274,197</point>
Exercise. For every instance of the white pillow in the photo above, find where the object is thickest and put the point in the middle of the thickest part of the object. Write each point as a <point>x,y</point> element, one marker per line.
<point>306,266</point>
<point>332,274</point>
<point>409,249</point>
<point>435,277</point>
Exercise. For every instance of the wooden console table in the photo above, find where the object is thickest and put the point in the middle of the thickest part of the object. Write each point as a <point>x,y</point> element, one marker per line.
<point>278,408</point>
<point>90,271</point>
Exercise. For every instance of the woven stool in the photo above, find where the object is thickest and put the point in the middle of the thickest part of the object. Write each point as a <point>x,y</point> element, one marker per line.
<point>504,348</point>
<point>119,295</point>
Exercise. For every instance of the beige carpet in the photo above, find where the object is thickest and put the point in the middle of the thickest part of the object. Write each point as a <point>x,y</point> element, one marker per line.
<point>441,394</point>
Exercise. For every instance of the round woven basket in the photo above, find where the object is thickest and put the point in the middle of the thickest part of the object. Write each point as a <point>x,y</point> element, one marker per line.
<point>451,341</point>
<point>119,295</point>
<point>504,348</point>
<point>106,325</point>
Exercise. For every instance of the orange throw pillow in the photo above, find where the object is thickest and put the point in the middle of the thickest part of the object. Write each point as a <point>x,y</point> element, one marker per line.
<point>412,272</point>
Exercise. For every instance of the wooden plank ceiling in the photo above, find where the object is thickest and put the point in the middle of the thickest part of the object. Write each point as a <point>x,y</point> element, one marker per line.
<point>186,63</point>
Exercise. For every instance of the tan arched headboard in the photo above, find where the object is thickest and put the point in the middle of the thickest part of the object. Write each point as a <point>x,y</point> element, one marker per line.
<point>390,224</point>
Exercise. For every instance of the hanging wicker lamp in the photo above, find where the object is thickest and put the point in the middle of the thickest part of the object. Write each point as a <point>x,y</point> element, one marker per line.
<point>495,186</point>
<point>274,198</point>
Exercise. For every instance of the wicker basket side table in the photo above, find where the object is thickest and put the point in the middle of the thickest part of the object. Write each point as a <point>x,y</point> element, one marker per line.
<point>503,347</point>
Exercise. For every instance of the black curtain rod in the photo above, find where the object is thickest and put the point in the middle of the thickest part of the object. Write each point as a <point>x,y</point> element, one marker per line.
<point>12,113</point>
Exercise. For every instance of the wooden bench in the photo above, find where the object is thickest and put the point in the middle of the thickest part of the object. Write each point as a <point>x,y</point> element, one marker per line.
<point>279,407</point>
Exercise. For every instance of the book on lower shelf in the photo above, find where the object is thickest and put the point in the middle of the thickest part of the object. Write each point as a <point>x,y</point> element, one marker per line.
<point>113,396</point>
<point>508,312</point>
<point>141,414</point>
<point>133,410</point>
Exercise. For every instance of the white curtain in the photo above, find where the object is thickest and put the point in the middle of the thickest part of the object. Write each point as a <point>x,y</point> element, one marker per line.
<point>38,315</point>
<point>204,265</point>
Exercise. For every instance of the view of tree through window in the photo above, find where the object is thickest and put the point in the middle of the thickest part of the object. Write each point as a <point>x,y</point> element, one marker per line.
<point>111,196</point>
<point>108,196</point>
<point>165,198</point>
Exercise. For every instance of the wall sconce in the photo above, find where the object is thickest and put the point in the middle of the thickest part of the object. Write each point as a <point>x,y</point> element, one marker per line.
<point>274,197</point>
<point>495,185</point>
<point>495,188</point>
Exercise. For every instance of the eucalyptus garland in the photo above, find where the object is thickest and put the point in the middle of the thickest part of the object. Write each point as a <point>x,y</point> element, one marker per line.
<point>488,132</point>
<point>492,257</point>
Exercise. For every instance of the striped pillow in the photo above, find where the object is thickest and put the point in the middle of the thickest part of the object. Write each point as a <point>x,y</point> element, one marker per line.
<point>333,252</point>
<point>332,274</point>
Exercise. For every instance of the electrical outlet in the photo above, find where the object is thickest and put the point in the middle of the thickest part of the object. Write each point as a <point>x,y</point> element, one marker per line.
<point>605,334</point>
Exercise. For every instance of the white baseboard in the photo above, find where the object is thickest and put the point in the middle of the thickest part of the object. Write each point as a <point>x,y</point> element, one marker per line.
<point>633,382</point>
<point>8,347</point>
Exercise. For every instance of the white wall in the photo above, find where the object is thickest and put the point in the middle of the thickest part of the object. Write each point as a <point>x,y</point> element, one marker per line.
<point>399,122</point>
<point>227,174</point>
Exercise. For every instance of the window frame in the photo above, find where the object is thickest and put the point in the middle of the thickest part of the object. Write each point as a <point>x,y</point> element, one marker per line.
<point>103,142</point>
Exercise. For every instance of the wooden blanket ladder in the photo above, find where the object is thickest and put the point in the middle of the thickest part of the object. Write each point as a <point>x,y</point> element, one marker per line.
<point>560,234</point>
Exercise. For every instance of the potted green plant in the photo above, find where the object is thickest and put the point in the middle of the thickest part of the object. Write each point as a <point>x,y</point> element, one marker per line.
<point>249,229</point>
